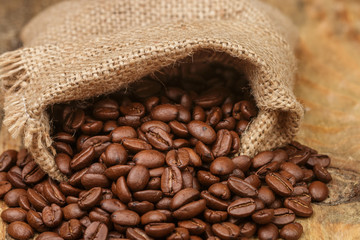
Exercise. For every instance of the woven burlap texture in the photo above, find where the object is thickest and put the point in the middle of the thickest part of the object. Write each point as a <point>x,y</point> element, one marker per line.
<point>81,49</point>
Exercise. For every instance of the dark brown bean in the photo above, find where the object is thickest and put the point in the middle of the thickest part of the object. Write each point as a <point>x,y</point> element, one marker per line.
<point>13,214</point>
<point>73,210</point>
<point>7,160</point>
<point>291,231</point>
<point>241,188</point>
<point>321,173</point>
<point>195,226</point>
<point>70,230</point>
<point>268,232</point>
<point>190,210</point>
<point>11,198</point>
<point>125,218</point>
<point>318,191</point>
<point>279,184</point>
<point>171,181</point>
<point>242,207</point>
<point>159,230</point>
<point>183,197</point>
<point>263,216</point>
<point>226,230</point>
<point>298,206</point>
<point>90,198</point>
<point>283,216</point>
<point>202,131</point>
<point>32,173</point>
<point>20,230</point>
<point>52,215</point>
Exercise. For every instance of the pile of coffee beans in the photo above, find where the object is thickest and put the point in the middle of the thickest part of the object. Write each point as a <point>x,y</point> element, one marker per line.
<point>159,162</point>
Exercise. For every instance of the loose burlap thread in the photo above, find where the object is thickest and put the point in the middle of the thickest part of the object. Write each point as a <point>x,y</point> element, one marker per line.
<point>80,49</point>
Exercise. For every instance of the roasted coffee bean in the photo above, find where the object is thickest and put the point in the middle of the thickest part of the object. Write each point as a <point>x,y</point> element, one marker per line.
<point>70,230</point>
<point>293,169</point>
<point>141,207</point>
<point>99,143</point>
<point>89,180</point>
<point>179,158</point>
<point>62,160</point>
<point>242,207</point>
<point>90,198</point>
<point>211,98</point>
<point>20,230</point>
<point>159,139</point>
<point>318,191</point>
<point>24,157</point>
<point>179,233</point>
<point>135,145</point>
<point>279,184</point>
<point>212,216</point>
<point>222,166</point>
<point>228,123</point>
<point>242,162</point>
<point>241,188</point>
<point>11,198</point>
<point>69,190</point>
<point>122,190</point>
<point>226,230</point>
<point>213,202</point>
<point>49,236</point>
<point>153,217</point>
<point>190,210</point>
<point>283,216</point>
<point>36,199</point>
<point>99,215</point>
<point>291,231</point>
<point>183,197</point>
<point>291,178</point>
<point>125,218</point>
<point>223,143</point>
<point>263,216</point>
<point>83,158</point>
<point>62,147</point>
<point>241,126</point>
<point>72,119</point>
<point>114,154</point>
<point>202,131</point>
<point>149,158</point>
<point>120,132</point>
<point>206,178</point>
<point>14,177</point>
<point>24,202</point>
<point>159,230</point>
<point>91,126</point>
<point>138,178</point>
<point>244,110</point>
<point>220,190</point>
<point>194,226</point>
<point>267,168</point>
<point>164,112</point>
<point>322,160</point>
<point>114,172</point>
<point>262,159</point>
<point>73,210</point>
<point>52,193</point>
<point>7,160</point>
<point>204,152</point>
<point>268,232</point>
<point>266,195</point>
<point>52,215</point>
<point>300,157</point>
<point>3,176</point>
<point>106,109</point>
<point>298,206</point>
<point>129,120</point>
<point>253,180</point>
<point>35,221</point>
<point>321,173</point>
<point>13,214</point>
<point>148,195</point>
<point>5,187</point>
<point>171,181</point>
<point>179,129</point>
<point>247,229</point>
<point>32,173</point>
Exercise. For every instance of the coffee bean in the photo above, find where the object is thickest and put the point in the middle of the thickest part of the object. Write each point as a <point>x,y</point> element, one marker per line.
<point>223,143</point>
<point>32,173</point>
<point>179,232</point>
<point>213,202</point>
<point>20,230</point>
<point>171,181</point>
<point>194,226</point>
<point>183,197</point>
<point>73,210</point>
<point>70,230</point>
<point>294,169</point>
<point>99,143</point>
<point>179,129</point>
<point>91,126</point>
<point>179,158</point>
<point>213,216</point>
<point>279,184</point>
<point>210,98</point>
<point>206,178</point>
<point>242,162</point>
<point>35,221</point>
<point>262,158</point>
<point>14,177</point>
<point>52,193</point>
<point>72,119</point>
<point>5,187</point>
<point>220,190</point>
<point>291,231</point>
<point>125,218</point>
<point>241,188</point>
<point>159,138</point>
<point>244,110</point>
<point>247,229</point>
<point>138,178</point>
<point>202,131</point>
<point>137,233</point>
<point>321,173</point>
<point>7,160</point>
<point>148,195</point>
<point>149,158</point>
<point>253,180</point>
<point>49,236</point>
<point>13,214</point>
<point>90,198</point>
<point>268,232</point>
<point>263,216</point>
<point>52,215</point>
<point>190,210</point>
<point>11,198</point>
<point>242,207</point>
<point>114,172</point>
<point>322,160</point>
<point>135,145</point>
<point>106,109</point>
<point>222,166</point>
<point>122,190</point>
<point>266,195</point>
<point>62,147</point>
<point>204,152</point>
<point>283,216</point>
<point>226,230</point>
<point>318,191</point>
<point>36,199</point>
<point>62,160</point>
<point>159,230</point>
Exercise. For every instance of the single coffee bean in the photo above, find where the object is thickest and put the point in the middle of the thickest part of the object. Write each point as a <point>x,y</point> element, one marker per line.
<point>35,221</point>
<point>222,166</point>
<point>99,143</point>
<point>32,173</point>
<point>206,178</point>
<point>24,157</point>
<point>194,158</point>
<point>159,139</point>
<point>49,236</point>
<point>91,126</point>
<point>5,187</point>
<point>62,160</point>
<point>20,230</point>
<point>171,181</point>
<point>137,233</point>
<point>149,158</point>
<point>90,198</point>
<point>244,110</point>
<point>228,123</point>
<point>293,169</point>
<point>14,177</point>
<point>211,98</point>
<point>52,193</point>
<point>253,180</point>
<point>300,157</point>
<point>262,158</point>
<point>179,158</point>
<point>164,112</point>
<point>242,207</point>
<point>291,231</point>
<point>322,160</point>
<point>90,180</point>
<point>72,119</point>
<point>3,176</point>
<point>52,215</point>
<point>321,173</point>
<point>226,230</point>
<point>202,131</point>
<point>183,197</point>
<point>148,195</point>
<point>283,216</point>
<point>279,184</point>
<point>204,152</point>
<point>318,191</point>
<point>242,162</point>
<point>114,154</point>
<point>7,160</point>
<point>62,147</point>
<point>179,129</point>
<point>241,188</point>
<point>116,171</point>
<point>212,216</point>
<point>11,198</point>
<point>223,143</point>
<point>13,214</point>
<point>24,202</point>
<point>73,210</point>
<point>291,178</point>
<point>268,232</point>
<point>266,195</point>
<point>138,178</point>
<point>298,206</point>
<point>263,216</point>
<point>247,229</point>
<point>179,233</point>
<point>159,230</point>
<point>106,109</point>
<point>153,217</point>
<point>83,159</point>
<point>69,190</point>
<point>122,190</point>
<point>220,190</point>
<point>70,230</point>
<point>120,132</point>
<point>195,226</point>
<point>36,199</point>
<point>125,218</point>
<point>213,202</point>
<point>135,145</point>
<point>190,210</point>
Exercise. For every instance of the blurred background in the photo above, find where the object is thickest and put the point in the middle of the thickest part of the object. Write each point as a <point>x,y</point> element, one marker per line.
<point>328,85</point>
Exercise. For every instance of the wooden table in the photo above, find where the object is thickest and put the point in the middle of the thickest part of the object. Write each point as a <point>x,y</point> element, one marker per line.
<point>328,85</point>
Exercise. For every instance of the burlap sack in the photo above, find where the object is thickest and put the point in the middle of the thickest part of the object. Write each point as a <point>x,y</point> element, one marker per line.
<point>80,49</point>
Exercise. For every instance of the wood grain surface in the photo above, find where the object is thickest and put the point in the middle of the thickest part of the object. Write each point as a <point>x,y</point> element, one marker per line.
<point>328,85</point>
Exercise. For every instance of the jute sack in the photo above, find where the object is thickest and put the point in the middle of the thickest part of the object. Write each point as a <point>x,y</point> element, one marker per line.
<point>81,49</point>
